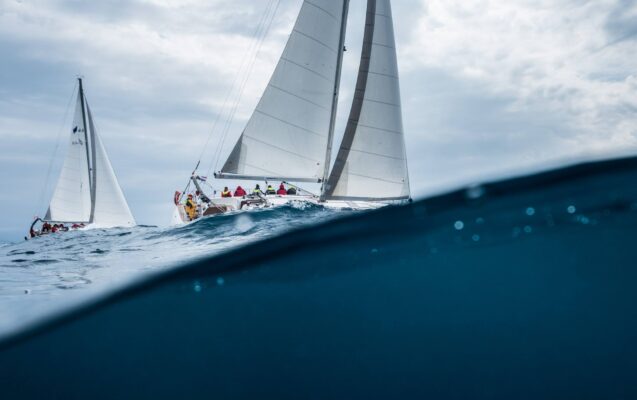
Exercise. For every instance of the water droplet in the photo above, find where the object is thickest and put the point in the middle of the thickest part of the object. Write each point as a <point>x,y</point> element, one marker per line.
<point>479,220</point>
<point>475,238</point>
<point>459,225</point>
<point>374,251</point>
<point>583,219</point>
<point>528,229</point>
<point>571,209</point>
<point>530,211</point>
<point>516,232</point>
<point>197,287</point>
<point>220,281</point>
<point>474,192</point>
<point>243,223</point>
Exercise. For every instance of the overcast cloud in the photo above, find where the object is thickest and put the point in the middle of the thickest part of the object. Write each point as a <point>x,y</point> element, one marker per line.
<point>490,88</point>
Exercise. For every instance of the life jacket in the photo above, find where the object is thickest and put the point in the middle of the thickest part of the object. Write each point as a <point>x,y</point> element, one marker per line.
<point>270,190</point>
<point>239,192</point>
<point>226,193</point>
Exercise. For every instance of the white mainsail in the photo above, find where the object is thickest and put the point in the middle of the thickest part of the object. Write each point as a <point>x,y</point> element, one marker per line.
<point>371,163</point>
<point>71,199</point>
<point>87,190</point>
<point>288,133</point>
<point>110,206</point>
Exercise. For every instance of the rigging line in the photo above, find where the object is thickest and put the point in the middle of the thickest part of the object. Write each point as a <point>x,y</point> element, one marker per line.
<point>242,89</point>
<point>45,187</point>
<point>244,63</point>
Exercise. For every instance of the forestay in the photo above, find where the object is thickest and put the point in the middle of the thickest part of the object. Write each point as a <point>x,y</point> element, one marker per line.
<point>288,132</point>
<point>71,199</point>
<point>371,163</point>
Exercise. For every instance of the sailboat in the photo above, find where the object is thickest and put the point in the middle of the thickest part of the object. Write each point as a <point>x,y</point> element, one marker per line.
<point>289,137</point>
<point>87,193</point>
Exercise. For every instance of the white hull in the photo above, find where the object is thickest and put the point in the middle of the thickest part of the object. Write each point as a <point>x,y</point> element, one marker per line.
<point>238,204</point>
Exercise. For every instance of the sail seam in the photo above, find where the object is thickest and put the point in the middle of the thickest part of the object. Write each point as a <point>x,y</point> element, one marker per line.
<point>382,102</point>
<point>381,129</point>
<point>322,9</point>
<point>306,68</point>
<point>376,179</point>
<point>376,154</point>
<point>278,148</point>
<point>315,40</point>
<point>382,74</point>
<point>384,45</point>
<point>285,122</point>
<point>299,97</point>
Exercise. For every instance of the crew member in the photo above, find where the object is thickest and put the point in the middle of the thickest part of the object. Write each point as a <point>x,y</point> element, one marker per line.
<point>226,192</point>
<point>292,191</point>
<point>191,208</point>
<point>281,191</point>
<point>270,190</point>
<point>257,190</point>
<point>239,192</point>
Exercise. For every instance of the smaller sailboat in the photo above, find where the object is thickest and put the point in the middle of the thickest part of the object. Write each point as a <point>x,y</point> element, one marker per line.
<point>289,137</point>
<point>87,193</point>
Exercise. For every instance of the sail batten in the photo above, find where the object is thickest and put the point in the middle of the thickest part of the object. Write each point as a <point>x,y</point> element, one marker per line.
<point>371,162</point>
<point>288,133</point>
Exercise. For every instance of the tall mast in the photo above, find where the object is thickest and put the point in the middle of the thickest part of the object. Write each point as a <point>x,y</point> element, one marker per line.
<point>88,158</point>
<point>337,85</point>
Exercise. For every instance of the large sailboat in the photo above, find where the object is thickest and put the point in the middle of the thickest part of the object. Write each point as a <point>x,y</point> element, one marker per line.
<point>289,137</point>
<point>87,193</point>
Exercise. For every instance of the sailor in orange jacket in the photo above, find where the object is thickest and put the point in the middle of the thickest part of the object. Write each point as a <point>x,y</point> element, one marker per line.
<point>226,192</point>
<point>282,191</point>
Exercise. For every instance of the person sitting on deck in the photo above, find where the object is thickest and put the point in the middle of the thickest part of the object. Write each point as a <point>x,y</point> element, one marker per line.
<point>257,190</point>
<point>46,227</point>
<point>281,191</point>
<point>226,192</point>
<point>239,192</point>
<point>270,190</point>
<point>291,191</point>
<point>191,208</point>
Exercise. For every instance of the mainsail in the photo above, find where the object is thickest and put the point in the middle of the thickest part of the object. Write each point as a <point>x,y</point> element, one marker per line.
<point>371,163</point>
<point>87,190</point>
<point>289,132</point>
<point>71,199</point>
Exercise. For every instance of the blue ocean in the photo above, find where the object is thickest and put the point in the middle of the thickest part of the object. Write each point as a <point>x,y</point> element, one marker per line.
<point>518,289</point>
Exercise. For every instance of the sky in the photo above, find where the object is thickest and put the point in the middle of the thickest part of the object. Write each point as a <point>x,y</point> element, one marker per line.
<point>490,88</point>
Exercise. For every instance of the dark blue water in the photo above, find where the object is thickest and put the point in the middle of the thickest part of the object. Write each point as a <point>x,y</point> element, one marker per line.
<point>522,289</point>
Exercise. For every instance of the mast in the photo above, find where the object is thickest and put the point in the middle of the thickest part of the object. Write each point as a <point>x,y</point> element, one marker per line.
<point>337,85</point>
<point>88,158</point>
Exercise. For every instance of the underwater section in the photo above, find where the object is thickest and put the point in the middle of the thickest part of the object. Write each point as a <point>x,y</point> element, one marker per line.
<point>520,289</point>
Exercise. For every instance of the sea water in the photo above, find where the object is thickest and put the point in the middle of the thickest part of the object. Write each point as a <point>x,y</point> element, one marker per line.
<point>52,273</point>
<point>521,289</point>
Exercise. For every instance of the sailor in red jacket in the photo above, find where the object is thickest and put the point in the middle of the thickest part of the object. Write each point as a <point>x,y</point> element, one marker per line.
<point>239,192</point>
<point>282,191</point>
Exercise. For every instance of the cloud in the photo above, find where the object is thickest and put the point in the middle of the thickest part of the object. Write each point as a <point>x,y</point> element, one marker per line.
<point>488,86</point>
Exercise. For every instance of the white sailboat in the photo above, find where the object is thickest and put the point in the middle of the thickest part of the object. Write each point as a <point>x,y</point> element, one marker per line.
<point>87,193</point>
<point>289,137</point>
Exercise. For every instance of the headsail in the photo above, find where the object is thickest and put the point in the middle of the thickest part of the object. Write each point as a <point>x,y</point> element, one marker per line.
<point>72,196</point>
<point>288,133</point>
<point>110,206</point>
<point>371,163</point>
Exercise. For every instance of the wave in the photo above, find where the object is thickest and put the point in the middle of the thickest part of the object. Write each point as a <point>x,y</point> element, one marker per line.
<point>523,288</point>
